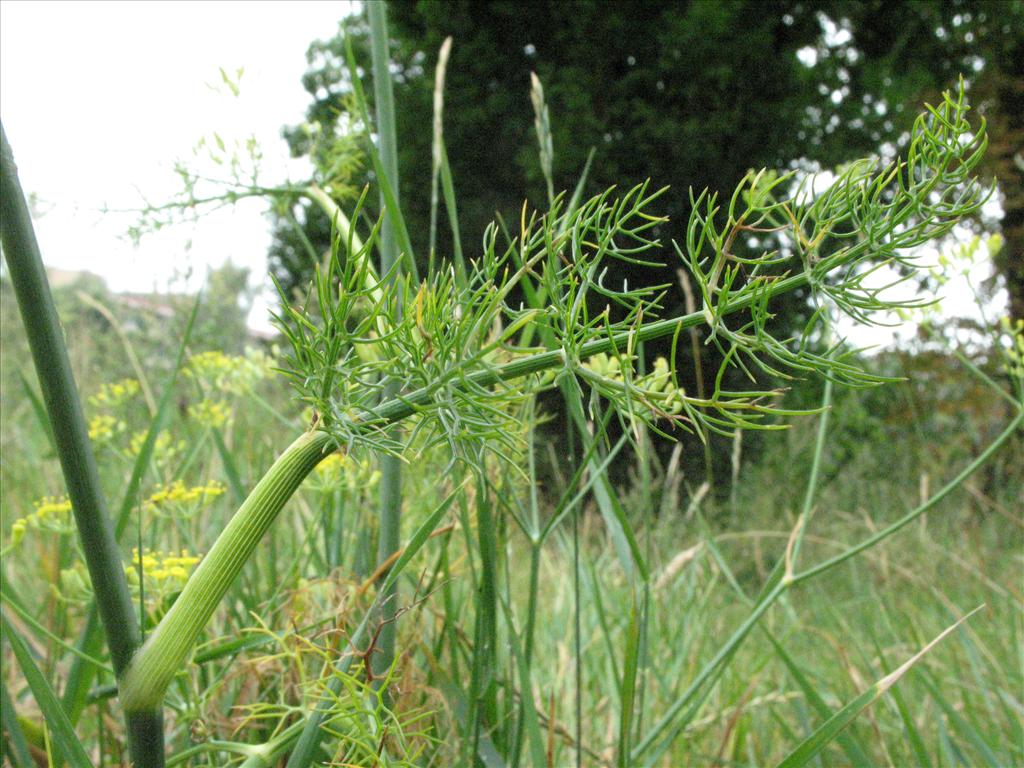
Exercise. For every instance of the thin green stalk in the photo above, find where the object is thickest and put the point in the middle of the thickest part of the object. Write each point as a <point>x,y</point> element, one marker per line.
<point>533,530</point>
<point>384,103</point>
<point>15,743</point>
<point>812,479</point>
<point>577,636</point>
<point>769,597</point>
<point>60,393</point>
<point>483,683</point>
<point>390,532</point>
<point>915,513</point>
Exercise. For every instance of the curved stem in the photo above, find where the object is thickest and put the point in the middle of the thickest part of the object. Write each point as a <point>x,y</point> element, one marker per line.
<point>156,663</point>
<point>164,652</point>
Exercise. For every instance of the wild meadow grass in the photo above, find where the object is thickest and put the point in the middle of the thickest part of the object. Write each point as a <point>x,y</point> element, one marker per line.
<point>263,651</point>
<point>387,563</point>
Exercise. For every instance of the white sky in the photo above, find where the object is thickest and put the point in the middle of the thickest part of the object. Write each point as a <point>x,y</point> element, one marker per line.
<point>100,98</point>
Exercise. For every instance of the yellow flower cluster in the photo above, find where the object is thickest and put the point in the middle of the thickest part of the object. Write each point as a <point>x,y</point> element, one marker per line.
<point>51,513</point>
<point>178,493</point>
<point>227,373</point>
<point>341,470</point>
<point>165,448</point>
<point>52,506</point>
<point>166,569</point>
<point>112,395</point>
<point>163,573</point>
<point>102,428</point>
<point>211,413</point>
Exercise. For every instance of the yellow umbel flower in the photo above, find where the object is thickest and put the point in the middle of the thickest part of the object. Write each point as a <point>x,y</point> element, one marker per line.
<point>51,513</point>
<point>102,428</point>
<point>52,507</point>
<point>163,573</point>
<point>178,494</point>
<point>165,448</point>
<point>227,373</point>
<point>211,413</point>
<point>342,470</point>
<point>113,395</point>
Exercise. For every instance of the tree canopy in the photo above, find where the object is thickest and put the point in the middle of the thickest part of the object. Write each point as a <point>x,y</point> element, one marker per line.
<point>688,94</point>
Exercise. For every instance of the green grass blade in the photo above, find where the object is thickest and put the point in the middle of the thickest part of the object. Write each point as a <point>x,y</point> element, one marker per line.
<point>850,745</point>
<point>825,734</point>
<point>27,618</point>
<point>917,745</point>
<point>61,730</point>
<point>15,745</point>
<point>964,728</point>
<point>531,723</point>
<point>627,689</point>
<point>39,410</point>
<point>482,699</point>
<point>577,193</point>
<point>831,728</point>
<point>230,468</point>
<point>619,528</point>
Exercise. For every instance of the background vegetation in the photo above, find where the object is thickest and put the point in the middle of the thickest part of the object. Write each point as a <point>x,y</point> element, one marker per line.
<point>733,95</point>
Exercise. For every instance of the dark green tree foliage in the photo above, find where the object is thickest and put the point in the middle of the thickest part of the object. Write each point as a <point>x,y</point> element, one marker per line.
<point>688,94</point>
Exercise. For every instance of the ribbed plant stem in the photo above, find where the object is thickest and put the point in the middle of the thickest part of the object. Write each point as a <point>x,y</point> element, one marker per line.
<point>71,436</point>
<point>390,466</point>
<point>166,650</point>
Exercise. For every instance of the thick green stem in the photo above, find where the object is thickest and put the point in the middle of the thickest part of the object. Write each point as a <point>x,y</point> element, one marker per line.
<point>390,466</point>
<point>45,337</point>
<point>71,436</point>
<point>165,651</point>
